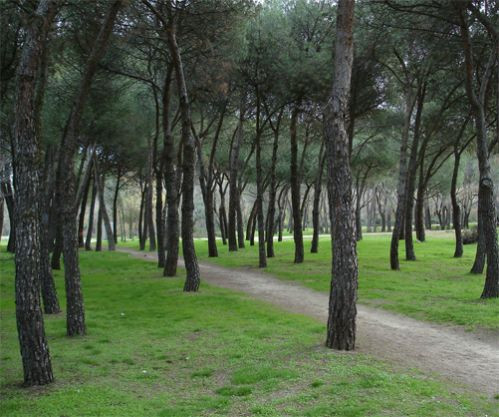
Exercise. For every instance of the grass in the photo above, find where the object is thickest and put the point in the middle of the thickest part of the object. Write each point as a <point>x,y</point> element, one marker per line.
<point>436,287</point>
<point>154,351</point>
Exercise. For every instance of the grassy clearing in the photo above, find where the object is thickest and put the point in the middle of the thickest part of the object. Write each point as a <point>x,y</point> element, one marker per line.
<point>436,287</point>
<point>152,350</point>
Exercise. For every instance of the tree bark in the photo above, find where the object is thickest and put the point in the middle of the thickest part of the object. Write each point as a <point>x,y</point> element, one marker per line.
<point>401,188</point>
<point>35,354</point>
<point>343,294</point>
<point>100,182</point>
<point>115,205</point>
<point>295,180</point>
<point>486,198</point>
<point>192,280</point>
<point>410,255</point>
<point>83,208</point>
<point>98,243</point>
<point>456,210</point>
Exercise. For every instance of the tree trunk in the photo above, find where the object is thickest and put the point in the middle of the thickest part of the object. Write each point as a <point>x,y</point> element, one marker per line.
<point>192,280</point>
<point>100,181</point>
<point>262,258</point>
<point>98,243</point>
<point>401,188</point>
<point>272,193</point>
<point>240,223</point>
<point>456,210</point>
<point>88,240</point>
<point>410,255</point>
<point>160,221</point>
<point>295,181</point>
<point>486,198</point>
<point>6,190</point>
<point>142,221</point>
<point>115,205</point>
<point>26,152</point>
<point>83,208</point>
<point>234,196</point>
<point>343,295</point>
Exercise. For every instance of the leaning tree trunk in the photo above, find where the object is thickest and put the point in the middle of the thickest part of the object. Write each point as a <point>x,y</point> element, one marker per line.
<point>192,280</point>
<point>343,295</point>
<point>66,181</point>
<point>456,210</point>
<point>26,152</point>
<point>295,181</point>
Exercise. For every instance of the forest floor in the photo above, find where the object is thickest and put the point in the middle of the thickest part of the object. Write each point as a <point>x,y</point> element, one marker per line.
<point>152,350</point>
<point>460,356</point>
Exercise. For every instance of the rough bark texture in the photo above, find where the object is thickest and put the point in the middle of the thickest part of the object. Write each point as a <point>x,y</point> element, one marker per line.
<point>172,219</point>
<point>295,181</point>
<point>30,327</point>
<point>343,295</point>
<point>192,280</point>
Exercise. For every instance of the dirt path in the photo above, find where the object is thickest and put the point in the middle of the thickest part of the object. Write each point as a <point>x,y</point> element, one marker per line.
<point>466,358</point>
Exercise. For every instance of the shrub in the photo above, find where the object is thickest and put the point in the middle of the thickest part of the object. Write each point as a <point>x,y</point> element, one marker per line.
<point>470,236</point>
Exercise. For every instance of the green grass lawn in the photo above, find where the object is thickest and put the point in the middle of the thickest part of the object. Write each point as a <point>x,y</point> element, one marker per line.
<point>436,287</point>
<point>152,350</point>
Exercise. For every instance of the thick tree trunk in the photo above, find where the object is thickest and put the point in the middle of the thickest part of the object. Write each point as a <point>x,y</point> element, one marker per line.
<point>90,227</point>
<point>295,181</point>
<point>456,210</point>
<point>486,199</point>
<point>26,153</point>
<point>192,280</point>
<point>343,295</point>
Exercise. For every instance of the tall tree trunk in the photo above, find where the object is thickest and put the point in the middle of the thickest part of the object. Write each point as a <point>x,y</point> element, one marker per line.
<point>317,199</point>
<point>66,182</point>
<point>419,224</point>
<point>456,210</point>
<point>486,199</point>
<point>234,196</point>
<point>295,180</point>
<point>160,221</point>
<point>90,227</point>
<point>272,192</point>
<point>35,355</point>
<point>142,221</point>
<point>171,180</point>
<point>192,280</point>
<point>401,187</point>
<point>410,255</point>
<point>343,295</point>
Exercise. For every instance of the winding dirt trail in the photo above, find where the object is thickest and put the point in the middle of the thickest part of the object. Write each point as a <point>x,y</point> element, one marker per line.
<point>470,359</point>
